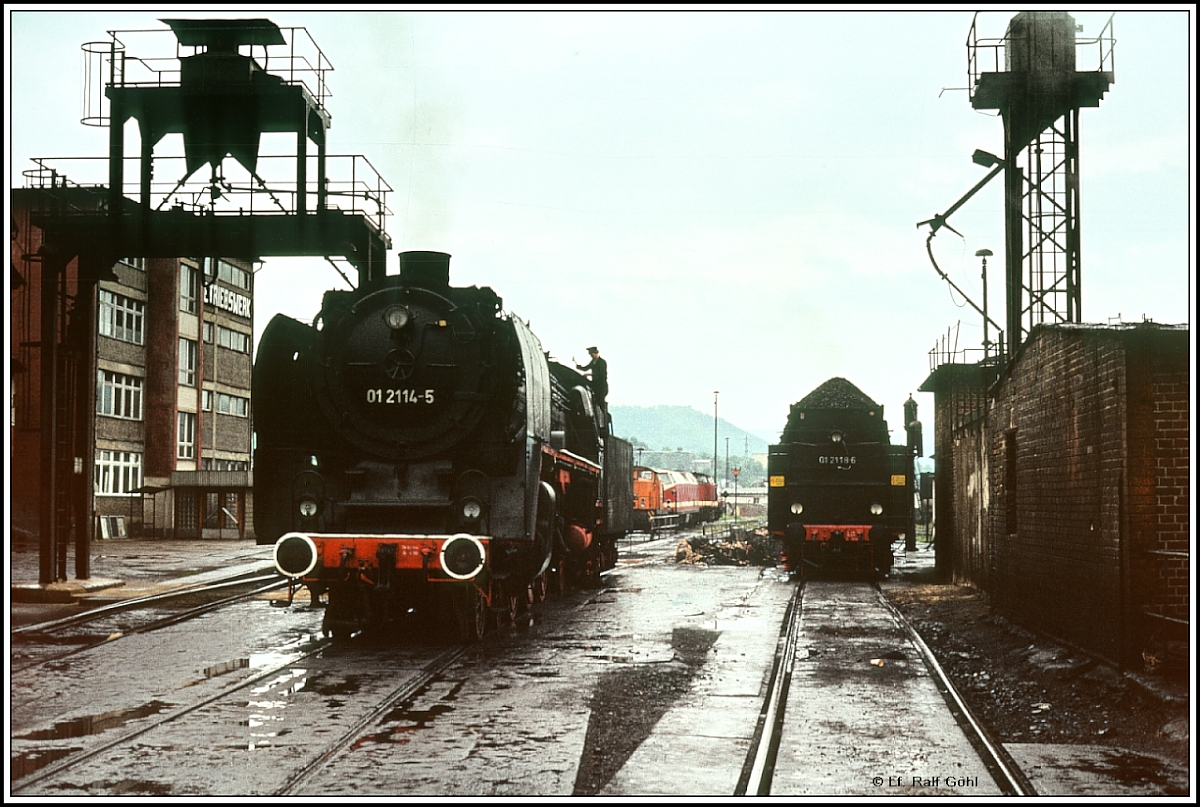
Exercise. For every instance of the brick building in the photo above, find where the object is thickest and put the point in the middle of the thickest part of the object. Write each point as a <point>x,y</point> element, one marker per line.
<point>1063,484</point>
<point>172,366</point>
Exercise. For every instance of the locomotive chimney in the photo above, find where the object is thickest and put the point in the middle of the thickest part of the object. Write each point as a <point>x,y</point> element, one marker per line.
<point>430,270</point>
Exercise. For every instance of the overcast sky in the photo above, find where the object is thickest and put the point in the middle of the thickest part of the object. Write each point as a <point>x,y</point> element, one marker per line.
<point>720,200</point>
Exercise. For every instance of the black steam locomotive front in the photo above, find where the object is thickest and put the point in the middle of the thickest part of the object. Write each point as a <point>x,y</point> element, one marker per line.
<point>408,453</point>
<point>840,493</point>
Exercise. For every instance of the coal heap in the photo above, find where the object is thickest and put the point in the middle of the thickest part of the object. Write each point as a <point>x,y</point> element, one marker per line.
<point>837,393</point>
<point>740,547</point>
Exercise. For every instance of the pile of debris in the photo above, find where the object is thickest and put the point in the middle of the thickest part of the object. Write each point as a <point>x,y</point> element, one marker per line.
<point>736,547</point>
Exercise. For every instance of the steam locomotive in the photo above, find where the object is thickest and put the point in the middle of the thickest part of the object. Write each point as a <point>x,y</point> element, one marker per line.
<point>840,493</point>
<point>418,454</point>
<point>672,498</point>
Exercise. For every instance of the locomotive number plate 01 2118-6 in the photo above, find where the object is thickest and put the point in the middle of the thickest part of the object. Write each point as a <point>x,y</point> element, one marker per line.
<point>400,396</point>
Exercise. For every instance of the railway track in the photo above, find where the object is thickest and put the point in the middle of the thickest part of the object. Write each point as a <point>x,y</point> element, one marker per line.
<point>66,630</point>
<point>779,712</point>
<point>78,759</point>
<point>509,715</point>
<point>407,690</point>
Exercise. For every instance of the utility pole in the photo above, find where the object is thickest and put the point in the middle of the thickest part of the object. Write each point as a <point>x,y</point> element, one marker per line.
<point>715,393</point>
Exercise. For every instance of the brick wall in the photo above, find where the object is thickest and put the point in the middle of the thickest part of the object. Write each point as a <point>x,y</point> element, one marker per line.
<point>1065,493</point>
<point>1057,430</point>
<point>1159,483</point>
<point>962,497</point>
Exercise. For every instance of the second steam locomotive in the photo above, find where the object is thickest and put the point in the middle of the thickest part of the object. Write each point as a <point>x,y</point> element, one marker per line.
<point>419,453</point>
<point>840,493</point>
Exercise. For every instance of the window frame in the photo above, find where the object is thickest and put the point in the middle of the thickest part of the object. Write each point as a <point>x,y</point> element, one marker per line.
<point>119,395</point>
<point>117,473</point>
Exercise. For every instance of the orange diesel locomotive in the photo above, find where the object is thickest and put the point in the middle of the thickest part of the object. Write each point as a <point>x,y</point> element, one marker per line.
<point>663,498</point>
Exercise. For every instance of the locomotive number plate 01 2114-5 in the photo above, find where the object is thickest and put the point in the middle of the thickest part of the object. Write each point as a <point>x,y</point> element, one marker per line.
<point>400,396</point>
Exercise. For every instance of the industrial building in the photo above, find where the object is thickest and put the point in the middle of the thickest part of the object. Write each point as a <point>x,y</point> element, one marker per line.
<point>171,370</point>
<point>1063,485</point>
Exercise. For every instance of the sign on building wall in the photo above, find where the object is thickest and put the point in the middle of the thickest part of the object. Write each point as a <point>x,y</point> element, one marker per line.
<point>226,300</point>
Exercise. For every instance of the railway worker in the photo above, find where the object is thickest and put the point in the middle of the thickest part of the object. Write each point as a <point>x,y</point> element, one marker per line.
<point>597,371</point>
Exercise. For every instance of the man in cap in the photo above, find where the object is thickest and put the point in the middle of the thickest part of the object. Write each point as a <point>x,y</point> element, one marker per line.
<point>597,371</point>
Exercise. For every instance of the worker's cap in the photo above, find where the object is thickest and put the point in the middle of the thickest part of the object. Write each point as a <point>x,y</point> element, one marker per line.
<point>593,349</point>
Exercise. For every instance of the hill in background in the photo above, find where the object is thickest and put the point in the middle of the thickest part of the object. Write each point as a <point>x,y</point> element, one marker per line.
<point>671,428</point>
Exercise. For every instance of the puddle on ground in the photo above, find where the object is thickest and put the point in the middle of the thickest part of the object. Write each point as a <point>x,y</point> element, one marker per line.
<point>95,724</point>
<point>409,719</point>
<point>225,667</point>
<point>348,686</point>
<point>1133,770</point>
<point>27,762</point>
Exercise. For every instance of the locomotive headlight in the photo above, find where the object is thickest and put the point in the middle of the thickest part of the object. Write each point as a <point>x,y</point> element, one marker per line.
<point>797,508</point>
<point>876,509</point>
<point>295,555</point>
<point>835,436</point>
<point>396,317</point>
<point>471,509</point>
<point>308,507</point>
<point>462,556</point>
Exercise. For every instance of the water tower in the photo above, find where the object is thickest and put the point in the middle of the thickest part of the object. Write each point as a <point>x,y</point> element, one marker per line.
<point>1030,76</point>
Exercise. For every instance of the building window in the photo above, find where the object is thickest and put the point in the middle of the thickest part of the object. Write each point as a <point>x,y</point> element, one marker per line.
<point>122,318</point>
<point>234,340</point>
<point>221,510</point>
<point>136,263</point>
<point>188,279</point>
<point>227,272</point>
<point>118,473</point>
<point>187,510</point>
<point>226,404</point>
<point>227,337</point>
<point>187,362</point>
<point>118,395</point>
<point>233,405</point>
<point>210,464</point>
<point>187,436</point>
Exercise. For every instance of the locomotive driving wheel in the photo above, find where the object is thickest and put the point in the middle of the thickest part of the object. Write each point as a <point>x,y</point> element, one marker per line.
<point>539,588</point>
<point>509,606</point>
<point>470,613</point>
<point>556,576</point>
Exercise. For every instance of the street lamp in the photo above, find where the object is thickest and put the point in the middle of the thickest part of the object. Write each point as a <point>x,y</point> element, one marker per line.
<point>985,254</point>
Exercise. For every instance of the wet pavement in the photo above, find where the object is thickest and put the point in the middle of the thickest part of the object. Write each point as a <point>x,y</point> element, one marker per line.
<point>124,568</point>
<point>691,727</point>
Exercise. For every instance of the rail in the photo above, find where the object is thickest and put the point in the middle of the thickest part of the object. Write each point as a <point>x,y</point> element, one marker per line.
<point>353,186</point>
<point>990,52</point>
<point>298,61</point>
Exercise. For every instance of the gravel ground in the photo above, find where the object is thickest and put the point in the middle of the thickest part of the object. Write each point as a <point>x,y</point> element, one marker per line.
<point>1028,689</point>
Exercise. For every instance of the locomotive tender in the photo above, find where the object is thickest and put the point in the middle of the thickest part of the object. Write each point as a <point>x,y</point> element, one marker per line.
<point>672,498</point>
<point>840,493</point>
<point>418,453</point>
